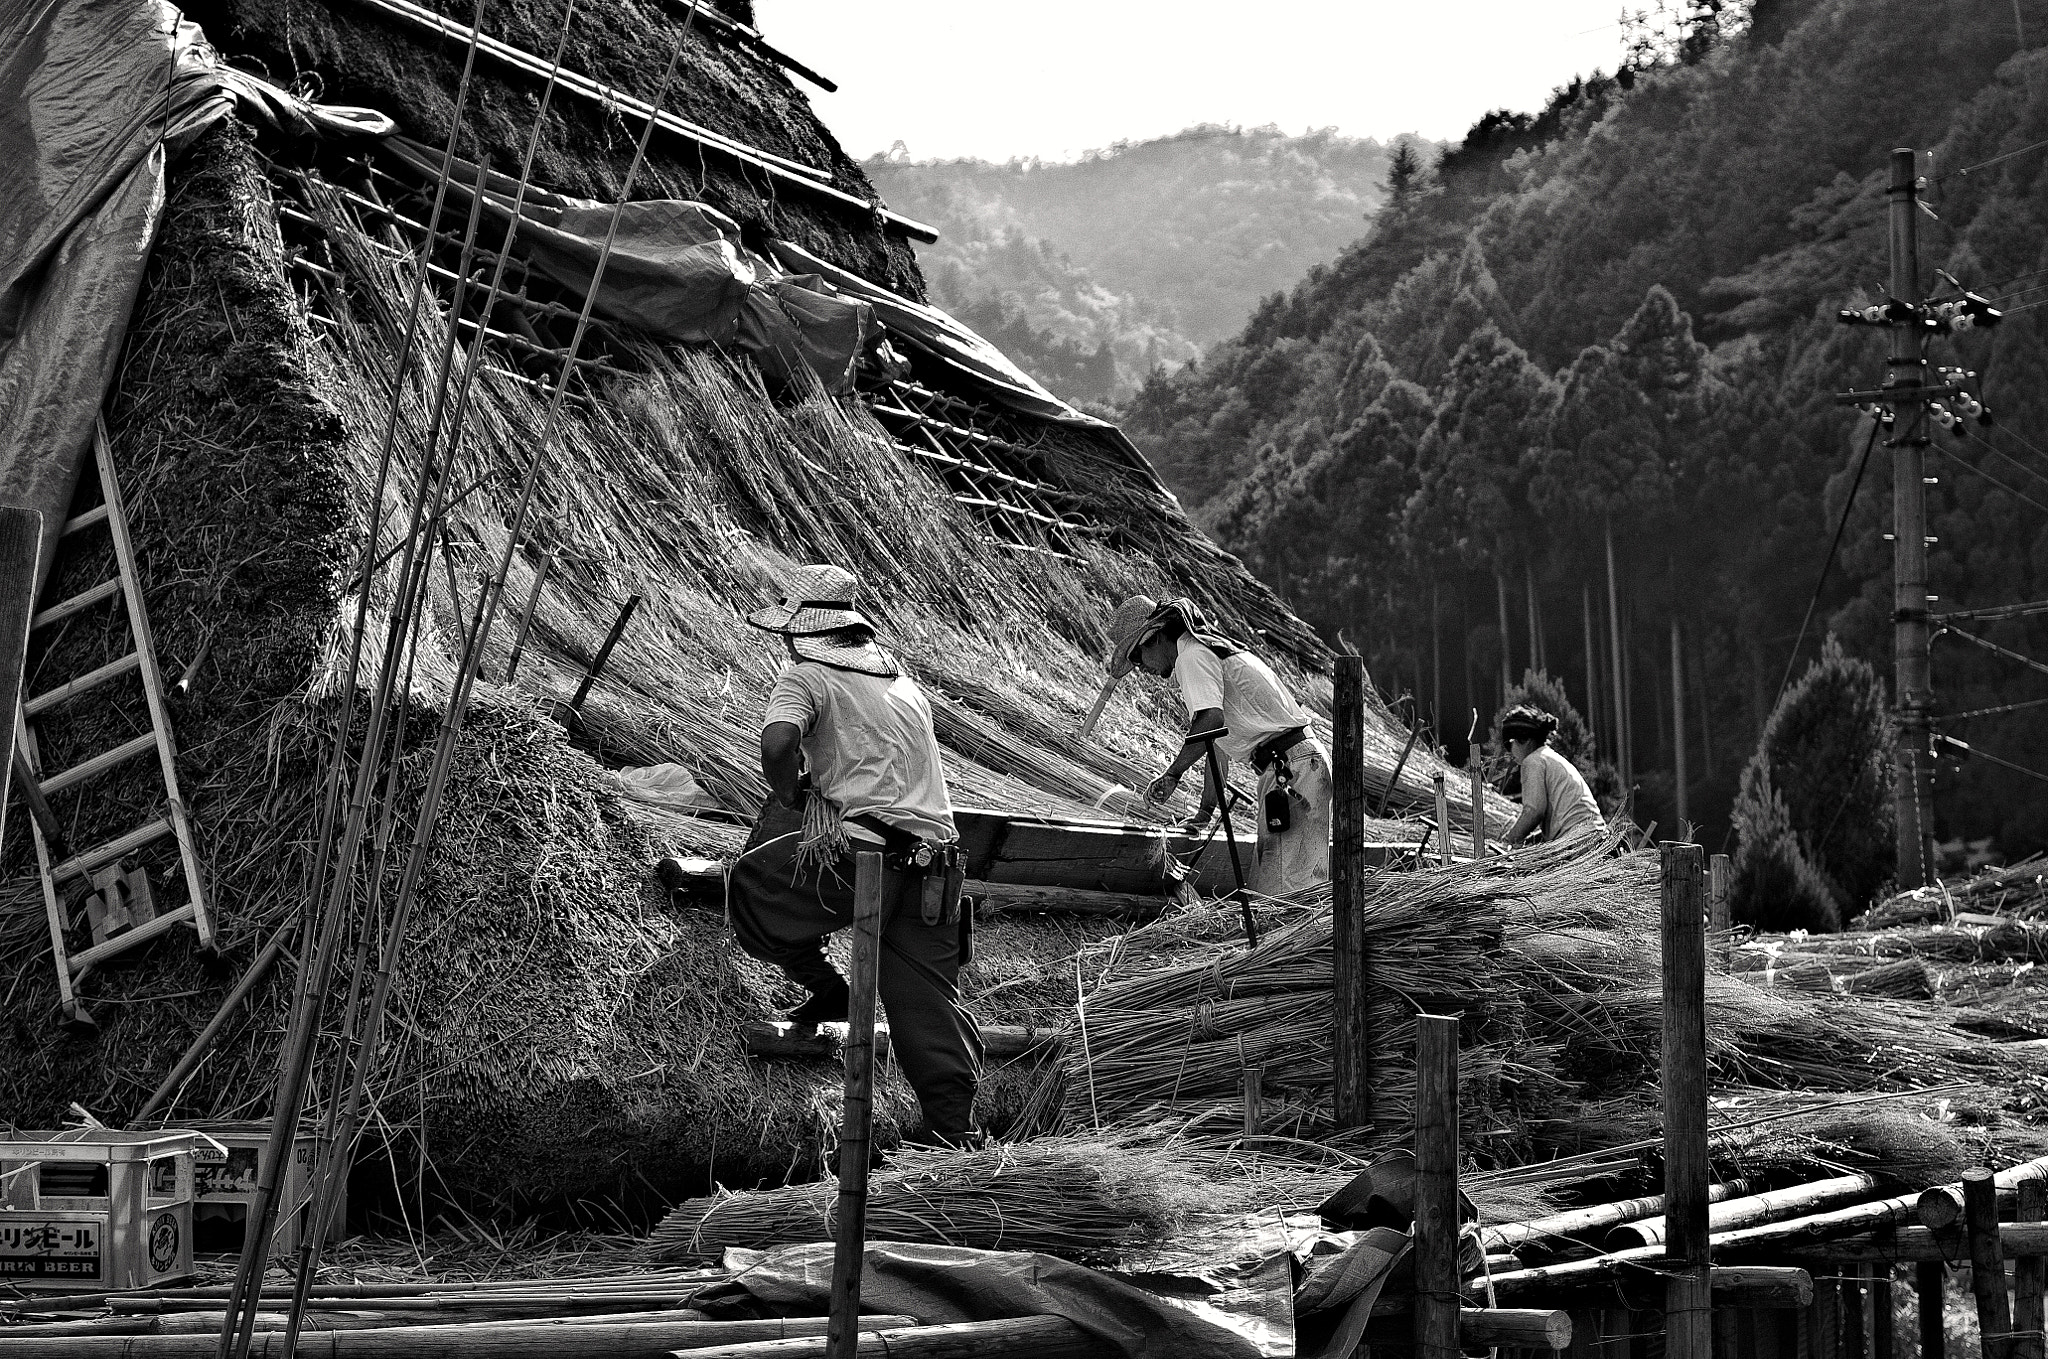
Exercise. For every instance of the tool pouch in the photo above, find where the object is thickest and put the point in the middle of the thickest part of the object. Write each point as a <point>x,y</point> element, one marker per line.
<point>956,878</point>
<point>1279,809</point>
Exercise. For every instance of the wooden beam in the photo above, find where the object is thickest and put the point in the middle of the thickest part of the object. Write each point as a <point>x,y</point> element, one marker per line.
<point>2029,1274</point>
<point>856,1126</point>
<point>561,1335</point>
<point>1942,1206</point>
<point>1773,1206</point>
<point>21,548</point>
<point>1987,1264</point>
<point>1013,898</point>
<point>1007,1338</point>
<point>1761,1288</point>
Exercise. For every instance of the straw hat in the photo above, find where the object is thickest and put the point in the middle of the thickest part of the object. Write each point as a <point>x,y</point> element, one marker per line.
<point>814,599</point>
<point>1129,626</point>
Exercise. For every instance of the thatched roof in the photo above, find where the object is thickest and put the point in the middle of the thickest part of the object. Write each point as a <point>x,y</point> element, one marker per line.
<point>559,1030</point>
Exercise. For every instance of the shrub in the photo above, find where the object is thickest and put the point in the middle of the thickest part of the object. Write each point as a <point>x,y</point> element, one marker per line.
<point>1826,754</point>
<point>1775,887</point>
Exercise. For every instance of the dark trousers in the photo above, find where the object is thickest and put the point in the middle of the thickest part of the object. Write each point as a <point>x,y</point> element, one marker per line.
<point>784,919</point>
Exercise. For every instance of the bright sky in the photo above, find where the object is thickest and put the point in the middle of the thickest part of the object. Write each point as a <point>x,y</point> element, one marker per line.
<point>1054,78</point>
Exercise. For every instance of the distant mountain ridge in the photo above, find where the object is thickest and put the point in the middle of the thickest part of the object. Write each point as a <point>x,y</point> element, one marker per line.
<point>1091,273</point>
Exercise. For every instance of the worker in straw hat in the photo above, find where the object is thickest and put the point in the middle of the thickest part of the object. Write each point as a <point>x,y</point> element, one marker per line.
<point>1555,798</point>
<point>852,765</point>
<point>1226,686</point>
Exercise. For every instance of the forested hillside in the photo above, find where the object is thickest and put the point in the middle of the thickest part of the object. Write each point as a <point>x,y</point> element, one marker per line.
<point>1095,272</point>
<point>1612,326</point>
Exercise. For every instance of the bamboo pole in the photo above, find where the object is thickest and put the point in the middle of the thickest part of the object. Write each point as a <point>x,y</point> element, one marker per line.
<point>857,1123</point>
<point>1437,1297</point>
<point>1007,1338</point>
<point>540,577</point>
<point>1927,1292</point>
<point>1478,794</point>
<point>1776,1205</point>
<point>259,968</point>
<point>21,552</point>
<point>1942,1206</point>
<point>1688,1305</point>
<point>537,1340</point>
<point>1987,1263</point>
<point>604,653</point>
<point>1581,1222</point>
<point>1351,1048</point>
<point>1621,743</point>
<point>1593,713</point>
<point>2029,1273</point>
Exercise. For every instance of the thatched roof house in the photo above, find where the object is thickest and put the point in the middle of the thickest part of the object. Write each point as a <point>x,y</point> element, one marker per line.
<point>559,1029</point>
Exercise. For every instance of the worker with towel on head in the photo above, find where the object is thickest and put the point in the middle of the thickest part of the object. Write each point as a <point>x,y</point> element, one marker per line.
<point>1226,686</point>
<point>1555,798</point>
<point>852,765</point>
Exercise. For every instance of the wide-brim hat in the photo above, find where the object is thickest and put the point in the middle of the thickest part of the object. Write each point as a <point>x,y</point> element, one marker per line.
<point>814,599</point>
<point>1134,620</point>
<point>864,659</point>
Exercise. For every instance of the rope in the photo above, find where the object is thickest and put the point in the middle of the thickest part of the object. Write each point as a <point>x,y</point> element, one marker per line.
<point>1862,466</point>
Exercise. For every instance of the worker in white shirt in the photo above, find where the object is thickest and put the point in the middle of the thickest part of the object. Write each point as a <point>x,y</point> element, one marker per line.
<point>1225,686</point>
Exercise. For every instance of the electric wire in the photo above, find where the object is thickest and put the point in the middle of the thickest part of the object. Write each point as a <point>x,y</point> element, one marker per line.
<point>1977,754</point>
<point>1989,645</point>
<point>1862,466</point>
<point>1969,170</point>
<point>2035,473</point>
<point>1997,711</point>
<point>1995,613</point>
<point>1972,467</point>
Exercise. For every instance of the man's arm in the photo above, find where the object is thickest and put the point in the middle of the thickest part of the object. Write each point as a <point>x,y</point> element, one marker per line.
<point>1524,823</point>
<point>782,760</point>
<point>1204,720</point>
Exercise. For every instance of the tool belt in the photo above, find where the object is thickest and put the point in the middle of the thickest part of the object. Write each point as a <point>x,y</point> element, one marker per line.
<point>1268,752</point>
<point>942,868</point>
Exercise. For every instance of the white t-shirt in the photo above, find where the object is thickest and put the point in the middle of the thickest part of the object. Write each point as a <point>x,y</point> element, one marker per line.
<point>1553,788</point>
<point>1255,704</point>
<point>868,744</point>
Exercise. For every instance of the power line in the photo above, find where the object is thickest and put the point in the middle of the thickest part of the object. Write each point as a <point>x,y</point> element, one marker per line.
<point>1991,646</point>
<point>1994,712</point>
<point>1972,751</point>
<point>1968,170</point>
<point>1996,613</point>
<point>1862,466</point>
<point>1972,467</point>
<point>2032,472</point>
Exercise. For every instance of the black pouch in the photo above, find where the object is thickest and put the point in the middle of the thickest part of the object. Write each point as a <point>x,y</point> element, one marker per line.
<point>1279,810</point>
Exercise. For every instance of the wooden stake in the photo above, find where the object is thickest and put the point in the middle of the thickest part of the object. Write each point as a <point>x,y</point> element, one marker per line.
<point>1688,1312</point>
<point>259,968</point>
<point>1720,873</point>
<point>1854,1345</point>
<point>1478,799</point>
<point>1883,1327</point>
<point>2029,1273</point>
<point>857,1120</point>
<point>1353,1095</point>
<point>1436,1187</point>
<point>1927,1287</point>
<point>1987,1263</point>
<point>604,653</point>
<point>1443,822</point>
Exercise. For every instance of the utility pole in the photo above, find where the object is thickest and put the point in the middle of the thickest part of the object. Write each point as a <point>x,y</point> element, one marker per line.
<point>1906,367</point>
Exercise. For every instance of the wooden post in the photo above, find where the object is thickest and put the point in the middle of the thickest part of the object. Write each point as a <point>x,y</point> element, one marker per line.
<point>1353,1094</point>
<point>1927,1288</point>
<point>1913,781</point>
<point>1824,1321</point>
<point>1854,1340</point>
<point>2029,1272</point>
<point>1687,1299</point>
<point>1883,1328</point>
<point>857,1120</point>
<point>1678,727</point>
<point>1443,822</point>
<point>1478,802</point>
<point>1251,1084</point>
<point>1720,873</point>
<point>1436,1187</point>
<point>1987,1263</point>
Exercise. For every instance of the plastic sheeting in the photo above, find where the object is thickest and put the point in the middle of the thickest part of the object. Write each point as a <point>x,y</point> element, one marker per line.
<point>95,96</point>
<point>676,270</point>
<point>944,1284</point>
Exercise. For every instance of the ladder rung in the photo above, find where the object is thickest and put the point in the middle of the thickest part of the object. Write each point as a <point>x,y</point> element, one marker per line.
<point>100,764</point>
<point>112,850</point>
<point>84,599</point>
<point>91,679</point>
<point>96,515</point>
<point>129,938</point>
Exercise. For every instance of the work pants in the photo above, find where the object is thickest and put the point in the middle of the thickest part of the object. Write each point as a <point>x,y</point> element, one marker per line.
<point>1299,857</point>
<point>783,917</point>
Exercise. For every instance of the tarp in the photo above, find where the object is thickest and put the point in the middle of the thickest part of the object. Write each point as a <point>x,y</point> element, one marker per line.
<point>676,270</point>
<point>944,1284</point>
<point>95,95</point>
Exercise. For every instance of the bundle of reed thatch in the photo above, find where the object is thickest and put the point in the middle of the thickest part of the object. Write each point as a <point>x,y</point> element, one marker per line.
<point>2019,890</point>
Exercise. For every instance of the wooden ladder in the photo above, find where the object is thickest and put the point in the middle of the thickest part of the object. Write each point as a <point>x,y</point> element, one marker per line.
<point>141,661</point>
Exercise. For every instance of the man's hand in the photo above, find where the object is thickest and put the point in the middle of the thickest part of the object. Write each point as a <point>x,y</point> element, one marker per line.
<point>1199,822</point>
<point>1162,787</point>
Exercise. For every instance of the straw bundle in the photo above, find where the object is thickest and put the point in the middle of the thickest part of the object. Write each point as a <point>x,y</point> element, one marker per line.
<point>2019,890</point>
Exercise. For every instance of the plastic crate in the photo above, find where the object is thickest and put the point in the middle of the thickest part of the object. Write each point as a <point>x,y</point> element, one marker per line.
<point>93,1208</point>
<point>224,1189</point>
